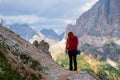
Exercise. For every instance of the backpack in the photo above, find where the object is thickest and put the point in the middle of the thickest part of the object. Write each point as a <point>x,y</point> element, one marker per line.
<point>72,43</point>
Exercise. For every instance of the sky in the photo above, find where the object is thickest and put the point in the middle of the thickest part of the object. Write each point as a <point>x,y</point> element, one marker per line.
<point>39,14</point>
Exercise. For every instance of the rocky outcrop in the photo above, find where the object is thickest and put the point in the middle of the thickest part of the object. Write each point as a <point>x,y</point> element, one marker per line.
<point>44,46</point>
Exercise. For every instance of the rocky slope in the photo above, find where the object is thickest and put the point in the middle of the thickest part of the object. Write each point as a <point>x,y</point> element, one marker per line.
<point>21,54</point>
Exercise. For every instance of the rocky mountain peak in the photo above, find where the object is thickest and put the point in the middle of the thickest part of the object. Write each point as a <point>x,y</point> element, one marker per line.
<point>44,46</point>
<point>23,30</point>
<point>103,19</point>
<point>98,26</point>
<point>51,34</point>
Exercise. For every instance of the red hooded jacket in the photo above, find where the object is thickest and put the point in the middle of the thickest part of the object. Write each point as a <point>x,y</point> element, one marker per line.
<point>72,43</point>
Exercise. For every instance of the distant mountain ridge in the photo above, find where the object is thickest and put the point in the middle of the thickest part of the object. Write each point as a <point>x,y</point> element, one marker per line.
<point>50,33</point>
<point>23,30</point>
<point>28,33</point>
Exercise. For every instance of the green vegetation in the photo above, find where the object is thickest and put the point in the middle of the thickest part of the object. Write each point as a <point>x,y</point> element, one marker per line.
<point>25,59</point>
<point>35,65</point>
<point>83,65</point>
<point>34,77</point>
<point>7,72</point>
<point>118,66</point>
<point>86,63</point>
<point>107,72</point>
<point>15,53</point>
<point>116,51</point>
<point>63,62</point>
<point>111,48</point>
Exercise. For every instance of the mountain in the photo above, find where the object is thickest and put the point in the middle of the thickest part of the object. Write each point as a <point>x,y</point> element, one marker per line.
<point>98,31</point>
<point>49,33</point>
<point>98,26</point>
<point>103,19</point>
<point>61,36</point>
<point>23,30</point>
<point>27,62</point>
<point>30,35</point>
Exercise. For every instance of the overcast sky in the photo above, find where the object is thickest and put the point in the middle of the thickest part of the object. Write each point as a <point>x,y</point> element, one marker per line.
<point>39,14</point>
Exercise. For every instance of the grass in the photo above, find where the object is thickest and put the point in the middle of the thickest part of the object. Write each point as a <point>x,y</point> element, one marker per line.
<point>87,63</point>
<point>34,77</point>
<point>25,58</point>
<point>35,65</point>
<point>116,51</point>
<point>8,73</point>
<point>82,65</point>
<point>28,60</point>
<point>107,72</point>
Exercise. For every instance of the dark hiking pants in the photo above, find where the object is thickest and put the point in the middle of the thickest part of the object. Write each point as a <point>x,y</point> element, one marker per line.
<point>72,59</point>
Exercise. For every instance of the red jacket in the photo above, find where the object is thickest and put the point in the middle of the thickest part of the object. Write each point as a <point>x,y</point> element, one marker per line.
<point>72,43</point>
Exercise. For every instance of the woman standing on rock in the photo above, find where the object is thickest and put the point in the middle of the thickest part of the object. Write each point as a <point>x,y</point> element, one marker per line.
<point>71,49</point>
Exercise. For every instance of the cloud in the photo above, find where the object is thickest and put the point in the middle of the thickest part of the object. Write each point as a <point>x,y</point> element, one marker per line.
<point>48,8</point>
<point>88,5</point>
<point>38,23</point>
<point>44,13</point>
<point>33,19</point>
<point>0,1</point>
<point>29,19</point>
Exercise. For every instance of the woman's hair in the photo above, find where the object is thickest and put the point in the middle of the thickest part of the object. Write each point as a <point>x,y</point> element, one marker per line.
<point>70,34</point>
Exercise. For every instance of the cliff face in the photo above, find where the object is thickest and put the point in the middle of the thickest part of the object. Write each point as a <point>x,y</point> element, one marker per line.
<point>103,19</point>
<point>99,26</point>
<point>26,62</point>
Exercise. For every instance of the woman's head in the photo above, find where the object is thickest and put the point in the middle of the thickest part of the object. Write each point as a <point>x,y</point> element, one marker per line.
<point>70,34</point>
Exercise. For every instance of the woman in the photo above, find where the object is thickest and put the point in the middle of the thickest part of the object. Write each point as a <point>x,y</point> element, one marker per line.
<point>71,48</point>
